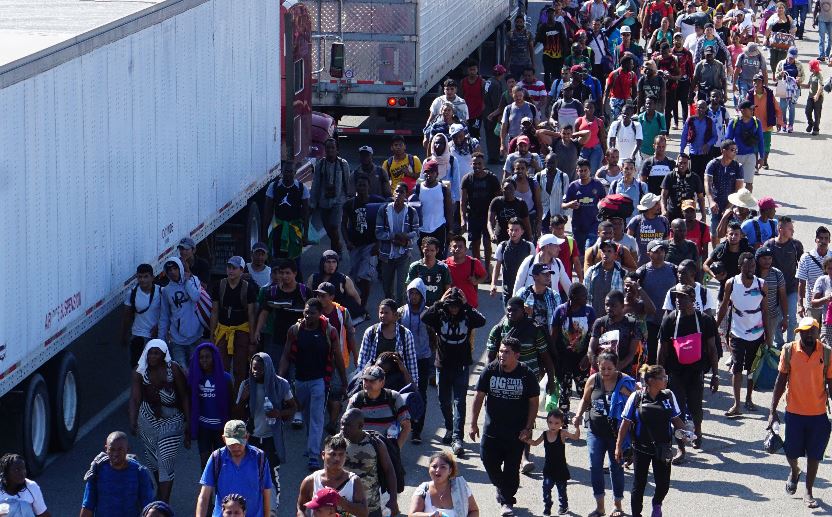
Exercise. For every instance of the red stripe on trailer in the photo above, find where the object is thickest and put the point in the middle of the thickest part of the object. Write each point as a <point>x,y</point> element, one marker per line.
<point>224,207</point>
<point>364,81</point>
<point>53,338</point>
<point>352,130</point>
<point>98,304</point>
<point>193,232</point>
<point>11,369</point>
<point>395,83</point>
<point>165,253</point>
<point>363,131</point>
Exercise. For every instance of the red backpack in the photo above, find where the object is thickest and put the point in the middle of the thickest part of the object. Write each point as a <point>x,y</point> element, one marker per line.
<point>615,205</point>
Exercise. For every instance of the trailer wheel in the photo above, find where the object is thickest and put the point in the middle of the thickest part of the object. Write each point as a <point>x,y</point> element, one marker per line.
<point>253,222</point>
<point>63,394</point>
<point>36,424</point>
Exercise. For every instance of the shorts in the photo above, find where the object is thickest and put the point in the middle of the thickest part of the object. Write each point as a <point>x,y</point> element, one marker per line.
<point>477,227</point>
<point>209,440</point>
<point>806,436</point>
<point>331,217</point>
<point>743,353</point>
<point>748,162</point>
<point>363,263</point>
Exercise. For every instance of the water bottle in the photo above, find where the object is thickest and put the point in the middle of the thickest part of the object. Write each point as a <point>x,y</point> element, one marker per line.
<point>267,407</point>
<point>685,435</point>
<point>775,427</point>
<point>393,432</point>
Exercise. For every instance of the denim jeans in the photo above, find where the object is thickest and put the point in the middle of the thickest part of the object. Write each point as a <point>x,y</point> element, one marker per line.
<point>311,396</point>
<point>791,298</point>
<point>787,107</point>
<point>548,484</point>
<point>824,39</point>
<point>425,368</point>
<point>799,13</point>
<point>594,155</point>
<point>182,353</point>
<point>742,91</point>
<point>598,448</point>
<point>773,327</point>
<point>456,379</point>
<point>393,275</point>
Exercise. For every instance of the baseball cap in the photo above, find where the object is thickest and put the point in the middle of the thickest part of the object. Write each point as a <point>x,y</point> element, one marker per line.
<point>684,290</point>
<point>625,30</point>
<point>688,203</point>
<point>767,202</point>
<point>373,373</point>
<point>324,498</point>
<point>237,261</point>
<point>525,120</point>
<point>793,51</point>
<point>746,105</point>
<point>549,238</point>
<point>235,432</point>
<point>807,323</point>
<point>708,50</point>
<point>187,243</point>
<point>576,69</point>
<point>539,268</point>
<point>655,244</point>
<point>456,128</point>
<point>607,244</point>
<point>260,246</point>
<point>523,139</point>
<point>752,49</point>
<point>499,69</point>
<point>648,201</point>
<point>326,288</point>
<point>763,251</point>
<point>430,164</point>
<point>365,149</point>
<point>330,254</point>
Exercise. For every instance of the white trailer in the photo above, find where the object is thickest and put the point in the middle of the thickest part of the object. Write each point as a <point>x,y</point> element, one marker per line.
<point>396,51</point>
<point>136,129</point>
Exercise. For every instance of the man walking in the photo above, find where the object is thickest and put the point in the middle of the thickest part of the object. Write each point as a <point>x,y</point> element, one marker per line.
<point>512,395</point>
<point>286,211</point>
<point>787,251</point>
<point>397,226</point>
<point>809,268</point>
<point>479,187</point>
<point>804,369</point>
<point>723,177</point>
<point>330,190</point>
<point>747,132</point>
<point>179,326</point>
<point>142,307</point>
<point>116,484</point>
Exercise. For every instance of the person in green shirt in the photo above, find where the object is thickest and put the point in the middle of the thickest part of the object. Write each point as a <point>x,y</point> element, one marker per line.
<point>653,124</point>
<point>434,273</point>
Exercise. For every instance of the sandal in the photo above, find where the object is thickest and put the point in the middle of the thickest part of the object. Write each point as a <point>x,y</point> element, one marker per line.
<point>810,502</point>
<point>596,513</point>
<point>750,406</point>
<point>791,484</point>
<point>617,513</point>
<point>733,412</point>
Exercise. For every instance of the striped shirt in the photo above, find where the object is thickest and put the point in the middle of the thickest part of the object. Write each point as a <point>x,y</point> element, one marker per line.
<point>537,91</point>
<point>809,268</point>
<point>378,413</point>
<point>532,340</point>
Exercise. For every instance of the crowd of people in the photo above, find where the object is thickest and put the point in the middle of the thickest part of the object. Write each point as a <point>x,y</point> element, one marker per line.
<point>669,264</point>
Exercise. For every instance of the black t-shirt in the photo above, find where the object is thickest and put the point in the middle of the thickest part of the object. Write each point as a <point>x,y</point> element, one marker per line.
<point>680,189</point>
<point>507,401</point>
<point>505,211</point>
<point>687,326</point>
<point>730,259</point>
<point>285,308</point>
<point>513,255</point>
<point>676,253</point>
<point>617,336</point>
<point>232,312</point>
<point>360,219</point>
<point>656,171</point>
<point>313,353</point>
<point>651,418</point>
<point>480,192</point>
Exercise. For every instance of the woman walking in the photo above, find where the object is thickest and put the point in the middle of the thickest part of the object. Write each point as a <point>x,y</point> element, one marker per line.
<point>23,495</point>
<point>446,494</point>
<point>210,387</point>
<point>159,412</point>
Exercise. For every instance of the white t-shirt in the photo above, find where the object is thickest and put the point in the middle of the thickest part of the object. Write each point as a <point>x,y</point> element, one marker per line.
<point>626,137</point>
<point>690,43</point>
<point>143,323</point>
<point>261,278</point>
<point>31,494</point>
<point>701,305</point>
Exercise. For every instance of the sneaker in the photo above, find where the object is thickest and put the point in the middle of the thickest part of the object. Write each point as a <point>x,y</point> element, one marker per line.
<point>809,128</point>
<point>815,132</point>
<point>791,129</point>
<point>416,438</point>
<point>297,420</point>
<point>563,510</point>
<point>459,450</point>
<point>657,511</point>
<point>547,510</point>
<point>506,510</point>
<point>448,438</point>
<point>526,467</point>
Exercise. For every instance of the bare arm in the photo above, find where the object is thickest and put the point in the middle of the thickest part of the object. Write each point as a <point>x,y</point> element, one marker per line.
<point>585,401</point>
<point>135,400</point>
<point>305,495</point>
<point>726,298</point>
<point>479,398</point>
<point>205,501</point>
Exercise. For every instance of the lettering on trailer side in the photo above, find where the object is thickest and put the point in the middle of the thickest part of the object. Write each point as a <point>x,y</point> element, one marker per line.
<point>62,310</point>
<point>167,231</point>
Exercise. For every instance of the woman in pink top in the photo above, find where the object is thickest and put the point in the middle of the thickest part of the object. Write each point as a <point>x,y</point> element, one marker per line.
<point>595,146</point>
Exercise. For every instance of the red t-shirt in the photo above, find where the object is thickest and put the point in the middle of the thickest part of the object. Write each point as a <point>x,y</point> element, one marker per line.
<point>567,254</point>
<point>459,277</point>
<point>473,95</point>
<point>621,83</point>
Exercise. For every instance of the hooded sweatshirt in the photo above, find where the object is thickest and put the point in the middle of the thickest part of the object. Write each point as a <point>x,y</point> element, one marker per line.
<point>453,349</point>
<point>412,320</point>
<point>209,392</point>
<point>277,390</point>
<point>448,167</point>
<point>179,301</point>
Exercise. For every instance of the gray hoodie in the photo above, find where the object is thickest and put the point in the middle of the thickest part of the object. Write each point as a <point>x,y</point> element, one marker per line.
<point>413,320</point>
<point>179,309</point>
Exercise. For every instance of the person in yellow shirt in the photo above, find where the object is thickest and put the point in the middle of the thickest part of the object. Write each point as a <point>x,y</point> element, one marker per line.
<point>402,167</point>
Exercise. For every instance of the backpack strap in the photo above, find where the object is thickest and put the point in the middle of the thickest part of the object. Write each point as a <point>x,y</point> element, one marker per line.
<point>243,294</point>
<point>223,285</point>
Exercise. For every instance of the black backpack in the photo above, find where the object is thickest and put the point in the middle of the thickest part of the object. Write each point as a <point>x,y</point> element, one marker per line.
<point>135,291</point>
<point>395,454</point>
<point>757,230</point>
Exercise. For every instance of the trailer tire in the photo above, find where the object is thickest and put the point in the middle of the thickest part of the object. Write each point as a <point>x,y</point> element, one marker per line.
<point>36,424</point>
<point>63,394</point>
<point>253,222</point>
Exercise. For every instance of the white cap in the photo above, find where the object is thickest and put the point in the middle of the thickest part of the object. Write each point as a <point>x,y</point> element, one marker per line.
<point>456,128</point>
<point>625,29</point>
<point>548,238</point>
<point>366,148</point>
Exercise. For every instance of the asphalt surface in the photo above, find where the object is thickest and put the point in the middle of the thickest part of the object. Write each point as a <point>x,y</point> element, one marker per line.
<point>731,475</point>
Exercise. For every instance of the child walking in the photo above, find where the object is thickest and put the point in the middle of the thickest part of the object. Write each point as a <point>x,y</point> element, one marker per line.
<point>555,470</point>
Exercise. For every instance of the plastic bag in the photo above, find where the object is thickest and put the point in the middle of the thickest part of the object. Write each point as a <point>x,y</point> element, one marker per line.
<point>553,399</point>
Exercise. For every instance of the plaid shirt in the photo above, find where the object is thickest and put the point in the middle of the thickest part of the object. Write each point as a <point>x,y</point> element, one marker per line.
<point>592,275</point>
<point>404,347</point>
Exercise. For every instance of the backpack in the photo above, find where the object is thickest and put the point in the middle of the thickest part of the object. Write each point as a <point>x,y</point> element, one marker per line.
<point>640,355</point>
<point>216,463</point>
<point>562,181</point>
<point>748,136</point>
<point>133,294</point>
<point>757,229</point>
<point>827,356</point>
<point>615,205</point>
<point>395,455</point>
<point>243,292</point>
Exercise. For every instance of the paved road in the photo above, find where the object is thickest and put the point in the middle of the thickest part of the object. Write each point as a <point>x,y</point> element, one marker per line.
<point>731,475</point>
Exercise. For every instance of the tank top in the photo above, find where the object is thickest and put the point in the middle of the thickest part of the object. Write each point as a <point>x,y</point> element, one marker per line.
<point>527,196</point>
<point>746,310</point>
<point>433,207</point>
<point>594,130</point>
<point>555,466</point>
<point>346,490</point>
<point>600,401</point>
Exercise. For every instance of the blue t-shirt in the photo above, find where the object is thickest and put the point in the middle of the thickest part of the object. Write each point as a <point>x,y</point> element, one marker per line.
<point>584,218</point>
<point>768,230</point>
<point>114,492</point>
<point>725,179</point>
<point>243,479</point>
